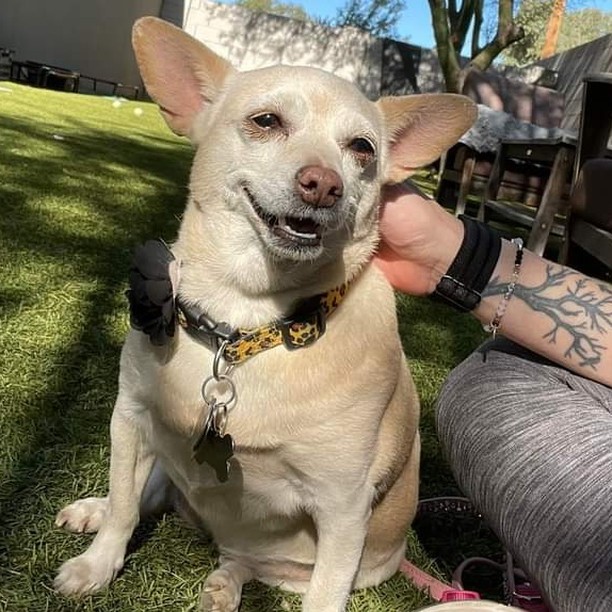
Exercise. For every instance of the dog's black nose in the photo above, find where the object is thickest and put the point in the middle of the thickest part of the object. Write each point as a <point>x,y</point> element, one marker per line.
<point>319,186</point>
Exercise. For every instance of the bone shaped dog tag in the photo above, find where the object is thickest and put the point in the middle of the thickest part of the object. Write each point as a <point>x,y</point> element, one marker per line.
<point>213,448</point>
<point>216,450</point>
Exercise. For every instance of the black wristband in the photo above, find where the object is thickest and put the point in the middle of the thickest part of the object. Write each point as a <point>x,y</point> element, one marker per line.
<point>468,275</point>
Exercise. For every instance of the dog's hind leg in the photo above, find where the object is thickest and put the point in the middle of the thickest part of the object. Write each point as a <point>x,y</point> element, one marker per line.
<point>131,463</point>
<point>223,588</point>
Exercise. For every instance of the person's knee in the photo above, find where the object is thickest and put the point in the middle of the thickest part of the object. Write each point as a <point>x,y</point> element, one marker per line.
<point>469,385</point>
<point>490,379</point>
<point>478,406</point>
<point>508,426</point>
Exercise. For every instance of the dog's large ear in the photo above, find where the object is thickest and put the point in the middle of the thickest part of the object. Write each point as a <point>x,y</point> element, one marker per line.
<point>180,73</point>
<point>421,127</point>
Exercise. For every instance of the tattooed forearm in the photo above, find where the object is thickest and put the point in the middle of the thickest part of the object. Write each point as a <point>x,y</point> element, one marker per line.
<point>580,307</point>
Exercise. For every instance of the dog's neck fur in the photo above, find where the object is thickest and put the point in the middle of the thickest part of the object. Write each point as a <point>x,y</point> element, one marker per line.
<point>238,284</point>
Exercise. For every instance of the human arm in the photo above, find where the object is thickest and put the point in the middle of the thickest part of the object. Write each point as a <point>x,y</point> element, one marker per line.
<point>555,311</point>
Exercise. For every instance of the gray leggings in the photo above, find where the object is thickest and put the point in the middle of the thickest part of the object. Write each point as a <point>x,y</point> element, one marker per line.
<point>531,445</point>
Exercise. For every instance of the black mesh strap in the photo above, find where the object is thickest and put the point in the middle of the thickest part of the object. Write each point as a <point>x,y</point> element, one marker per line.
<point>468,275</point>
<point>485,258</point>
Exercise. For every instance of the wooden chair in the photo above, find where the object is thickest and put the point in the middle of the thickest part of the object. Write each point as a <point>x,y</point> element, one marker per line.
<point>60,79</point>
<point>523,171</point>
<point>589,222</point>
<point>548,163</point>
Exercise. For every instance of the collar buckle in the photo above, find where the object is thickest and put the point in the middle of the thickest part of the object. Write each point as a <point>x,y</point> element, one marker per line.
<point>216,334</point>
<point>204,328</point>
<point>305,326</point>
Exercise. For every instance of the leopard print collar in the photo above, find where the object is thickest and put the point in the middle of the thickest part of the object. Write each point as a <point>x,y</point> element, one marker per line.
<point>299,330</point>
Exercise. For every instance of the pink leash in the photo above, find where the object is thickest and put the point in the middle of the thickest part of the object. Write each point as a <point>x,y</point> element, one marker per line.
<point>525,595</point>
<point>436,589</point>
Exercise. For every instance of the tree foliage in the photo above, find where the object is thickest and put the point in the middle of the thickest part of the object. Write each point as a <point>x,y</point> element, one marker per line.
<point>285,9</point>
<point>379,17</point>
<point>532,17</point>
<point>578,27</point>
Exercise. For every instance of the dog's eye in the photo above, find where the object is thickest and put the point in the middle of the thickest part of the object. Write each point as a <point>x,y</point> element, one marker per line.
<point>363,148</point>
<point>267,121</point>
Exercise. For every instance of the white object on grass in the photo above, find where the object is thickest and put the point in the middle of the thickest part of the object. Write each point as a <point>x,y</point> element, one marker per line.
<point>468,606</point>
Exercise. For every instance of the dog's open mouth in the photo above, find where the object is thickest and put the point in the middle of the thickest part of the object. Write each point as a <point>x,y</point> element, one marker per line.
<point>301,231</point>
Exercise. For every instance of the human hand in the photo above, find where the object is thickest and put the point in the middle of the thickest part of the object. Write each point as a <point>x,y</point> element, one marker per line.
<point>419,239</point>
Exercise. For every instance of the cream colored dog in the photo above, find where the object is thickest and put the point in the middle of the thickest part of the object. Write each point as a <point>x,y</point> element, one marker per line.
<point>283,206</point>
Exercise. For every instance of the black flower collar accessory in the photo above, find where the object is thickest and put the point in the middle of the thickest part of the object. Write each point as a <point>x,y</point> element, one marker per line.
<point>153,279</point>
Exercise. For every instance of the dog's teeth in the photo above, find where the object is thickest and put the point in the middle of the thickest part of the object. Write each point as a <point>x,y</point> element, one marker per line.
<point>293,232</point>
<point>282,221</point>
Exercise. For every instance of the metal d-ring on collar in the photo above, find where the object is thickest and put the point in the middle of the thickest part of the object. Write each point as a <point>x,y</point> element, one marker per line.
<point>213,445</point>
<point>218,377</point>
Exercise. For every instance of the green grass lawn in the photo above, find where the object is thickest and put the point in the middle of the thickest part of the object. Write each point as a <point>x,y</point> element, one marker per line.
<point>81,182</point>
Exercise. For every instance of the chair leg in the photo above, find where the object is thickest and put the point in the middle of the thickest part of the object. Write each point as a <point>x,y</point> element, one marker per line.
<point>466,183</point>
<point>442,165</point>
<point>563,257</point>
<point>551,199</point>
<point>443,192</point>
<point>492,188</point>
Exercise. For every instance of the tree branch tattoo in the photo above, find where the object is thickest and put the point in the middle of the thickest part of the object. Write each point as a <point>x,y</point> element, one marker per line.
<point>581,307</point>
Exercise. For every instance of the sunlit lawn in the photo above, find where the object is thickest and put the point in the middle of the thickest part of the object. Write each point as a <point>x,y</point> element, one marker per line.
<point>81,182</point>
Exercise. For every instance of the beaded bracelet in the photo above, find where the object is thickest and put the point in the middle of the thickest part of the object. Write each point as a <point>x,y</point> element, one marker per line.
<point>495,323</point>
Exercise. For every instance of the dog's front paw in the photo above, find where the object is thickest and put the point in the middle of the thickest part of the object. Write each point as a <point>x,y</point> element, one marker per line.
<point>84,515</point>
<point>85,574</point>
<point>221,592</point>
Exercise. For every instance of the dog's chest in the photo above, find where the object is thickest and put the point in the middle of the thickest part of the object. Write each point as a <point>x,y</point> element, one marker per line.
<point>185,391</point>
<point>286,404</point>
<point>329,397</point>
<point>278,393</point>
<point>260,484</point>
<point>273,424</point>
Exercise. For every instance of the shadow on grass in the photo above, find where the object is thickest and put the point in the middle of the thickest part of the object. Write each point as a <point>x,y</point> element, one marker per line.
<point>95,167</point>
<point>67,418</point>
<point>436,339</point>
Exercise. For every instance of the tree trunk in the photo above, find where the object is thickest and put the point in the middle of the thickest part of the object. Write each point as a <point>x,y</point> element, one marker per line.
<point>552,30</point>
<point>447,54</point>
<point>451,26</point>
